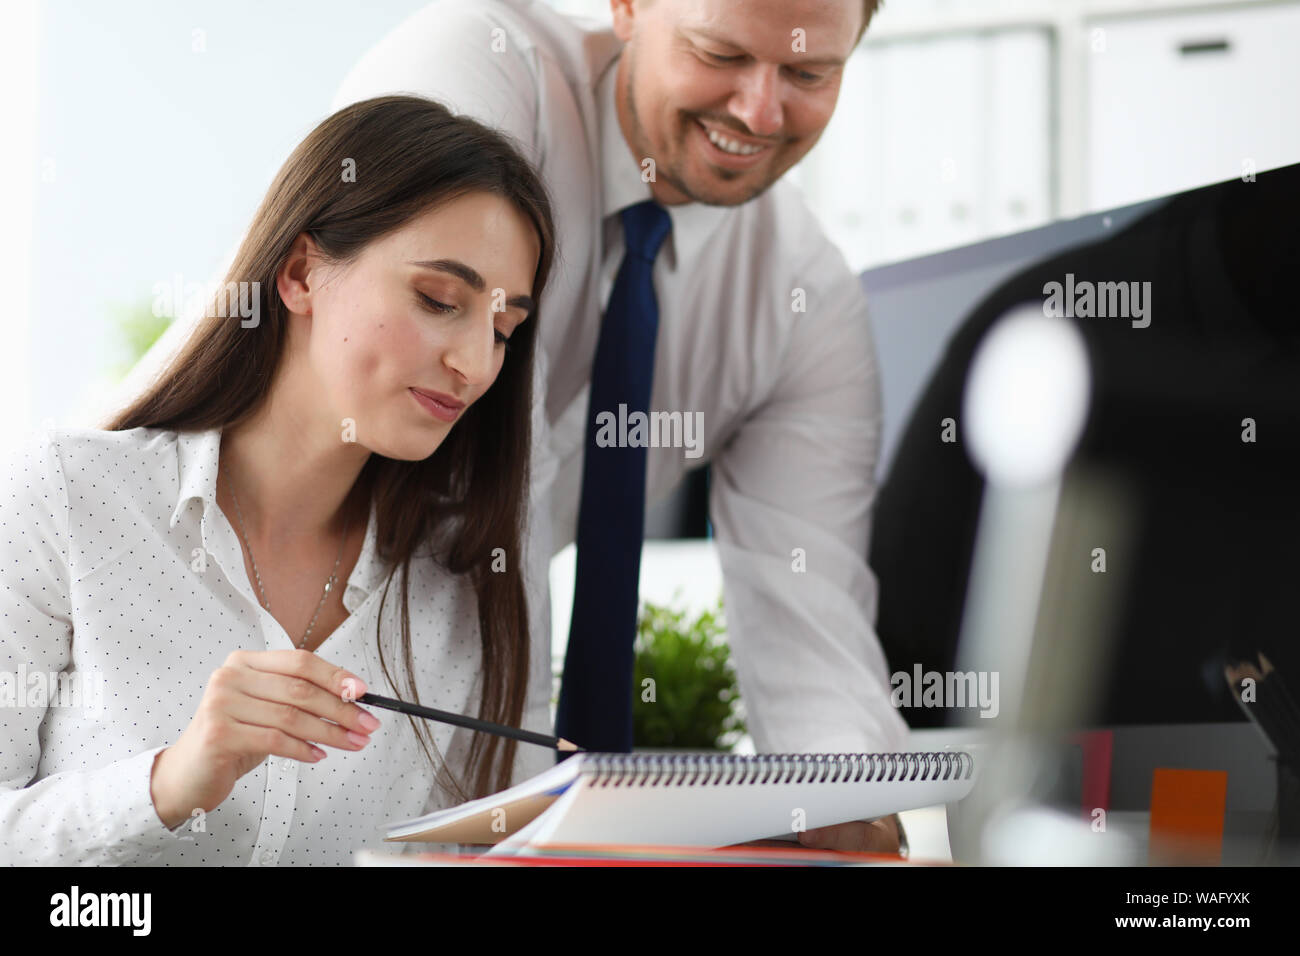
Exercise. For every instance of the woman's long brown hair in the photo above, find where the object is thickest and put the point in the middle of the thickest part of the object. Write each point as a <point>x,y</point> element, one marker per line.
<point>468,498</point>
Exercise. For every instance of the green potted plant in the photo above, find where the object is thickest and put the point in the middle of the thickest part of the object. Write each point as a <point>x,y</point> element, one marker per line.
<point>685,692</point>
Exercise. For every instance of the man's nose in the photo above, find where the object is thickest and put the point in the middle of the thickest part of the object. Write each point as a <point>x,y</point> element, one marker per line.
<point>757,101</point>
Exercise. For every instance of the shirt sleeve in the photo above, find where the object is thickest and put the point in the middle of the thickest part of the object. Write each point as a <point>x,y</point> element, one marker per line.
<point>472,58</point>
<point>97,816</point>
<point>790,500</point>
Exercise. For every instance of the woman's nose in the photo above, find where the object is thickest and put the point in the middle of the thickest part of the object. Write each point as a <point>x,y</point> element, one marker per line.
<point>471,351</point>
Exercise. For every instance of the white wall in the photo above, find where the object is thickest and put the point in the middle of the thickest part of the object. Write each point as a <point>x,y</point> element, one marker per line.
<point>20,172</point>
<point>160,125</point>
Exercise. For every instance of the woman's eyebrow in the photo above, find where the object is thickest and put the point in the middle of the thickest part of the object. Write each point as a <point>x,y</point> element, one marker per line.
<point>471,277</point>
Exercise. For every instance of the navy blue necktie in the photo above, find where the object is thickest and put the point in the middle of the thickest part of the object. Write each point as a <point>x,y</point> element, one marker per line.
<point>595,710</point>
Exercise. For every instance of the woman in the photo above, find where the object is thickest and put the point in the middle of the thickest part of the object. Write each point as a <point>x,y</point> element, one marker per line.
<point>219,557</point>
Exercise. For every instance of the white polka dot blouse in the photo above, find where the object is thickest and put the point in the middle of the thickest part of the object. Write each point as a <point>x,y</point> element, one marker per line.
<point>122,588</point>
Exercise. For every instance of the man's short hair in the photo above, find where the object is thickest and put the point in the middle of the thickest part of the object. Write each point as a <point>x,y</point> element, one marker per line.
<point>869,7</point>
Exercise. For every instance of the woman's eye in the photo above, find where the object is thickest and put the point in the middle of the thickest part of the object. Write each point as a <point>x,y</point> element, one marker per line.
<point>435,305</point>
<point>442,307</point>
<point>719,58</point>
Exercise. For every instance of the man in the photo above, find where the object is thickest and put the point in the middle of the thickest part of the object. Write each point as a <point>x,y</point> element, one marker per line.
<point>750,317</point>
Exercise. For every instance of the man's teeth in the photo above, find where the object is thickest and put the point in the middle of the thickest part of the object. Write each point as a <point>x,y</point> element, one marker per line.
<point>730,146</point>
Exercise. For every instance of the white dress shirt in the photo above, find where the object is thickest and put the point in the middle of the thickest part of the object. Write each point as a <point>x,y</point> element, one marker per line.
<point>118,568</point>
<point>790,399</point>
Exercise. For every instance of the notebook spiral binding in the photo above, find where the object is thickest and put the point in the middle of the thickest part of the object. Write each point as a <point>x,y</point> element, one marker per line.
<point>690,770</point>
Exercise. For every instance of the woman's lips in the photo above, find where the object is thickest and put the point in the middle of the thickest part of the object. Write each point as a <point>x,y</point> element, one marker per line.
<point>437,409</point>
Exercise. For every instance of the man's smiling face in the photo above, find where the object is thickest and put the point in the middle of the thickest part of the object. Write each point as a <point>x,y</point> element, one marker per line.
<point>726,95</point>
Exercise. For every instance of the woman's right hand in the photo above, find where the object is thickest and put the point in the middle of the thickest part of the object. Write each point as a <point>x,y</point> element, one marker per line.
<point>258,703</point>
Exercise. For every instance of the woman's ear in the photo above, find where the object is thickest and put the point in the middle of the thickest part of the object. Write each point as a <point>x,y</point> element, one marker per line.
<point>294,279</point>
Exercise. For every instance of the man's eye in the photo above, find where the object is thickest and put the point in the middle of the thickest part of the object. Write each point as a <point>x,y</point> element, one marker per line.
<point>435,305</point>
<point>719,58</point>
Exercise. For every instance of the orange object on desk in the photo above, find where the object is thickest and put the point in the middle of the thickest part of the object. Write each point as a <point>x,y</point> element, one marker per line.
<point>1187,808</point>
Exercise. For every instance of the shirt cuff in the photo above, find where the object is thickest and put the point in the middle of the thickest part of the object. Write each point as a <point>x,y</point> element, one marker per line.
<point>139,835</point>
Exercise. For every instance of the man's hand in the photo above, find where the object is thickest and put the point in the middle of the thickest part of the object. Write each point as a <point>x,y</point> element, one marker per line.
<point>859,836</point>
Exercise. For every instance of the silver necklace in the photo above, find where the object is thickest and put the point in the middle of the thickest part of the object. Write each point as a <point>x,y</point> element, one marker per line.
<point>330,582</point>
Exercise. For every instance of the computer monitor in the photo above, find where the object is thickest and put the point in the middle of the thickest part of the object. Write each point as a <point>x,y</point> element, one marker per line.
<point>1194,415</point>
<point>1175,540</point>
<point>1044,613</point>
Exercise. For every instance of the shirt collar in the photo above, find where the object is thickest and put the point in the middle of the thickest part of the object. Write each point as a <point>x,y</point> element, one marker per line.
<point>196,458</point>
<point>197,454</point>
<point>620,169</point>
<point>692,223</point>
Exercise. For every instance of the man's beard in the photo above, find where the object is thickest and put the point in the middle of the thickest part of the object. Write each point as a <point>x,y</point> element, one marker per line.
<point>666,171</point>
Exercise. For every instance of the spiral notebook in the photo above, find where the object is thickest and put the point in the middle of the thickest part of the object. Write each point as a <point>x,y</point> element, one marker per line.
<point>694,799</point>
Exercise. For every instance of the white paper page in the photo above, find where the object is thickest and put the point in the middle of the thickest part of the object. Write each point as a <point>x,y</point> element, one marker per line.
<point>561,775</point>
<point>718,815</point>
<point>535,833</point>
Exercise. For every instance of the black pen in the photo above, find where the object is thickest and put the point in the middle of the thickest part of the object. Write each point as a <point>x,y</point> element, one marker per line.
<point>473,723</point>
